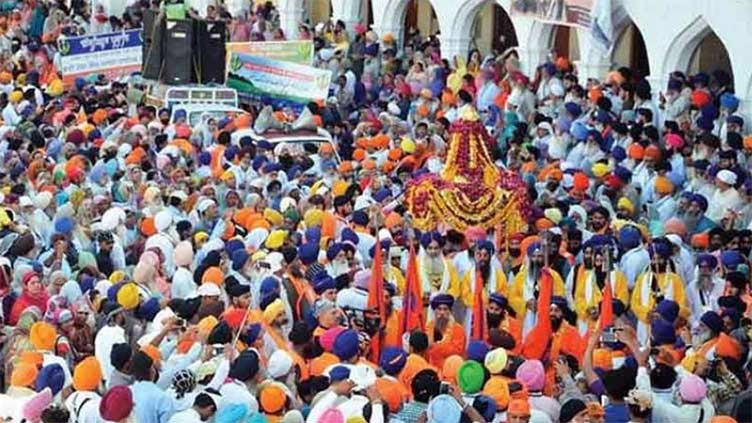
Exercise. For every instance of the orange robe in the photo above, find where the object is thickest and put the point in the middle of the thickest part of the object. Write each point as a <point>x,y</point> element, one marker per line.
<point>392,337</point>
<point>413,365</point>
<point>452,343</point>
<point>513,326</point>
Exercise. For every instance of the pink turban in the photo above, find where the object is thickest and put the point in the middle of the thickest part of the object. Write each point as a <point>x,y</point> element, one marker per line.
<point>475,233</point>
<point>327,338</point>
<point>532,375</point>
<point>362,279</point>
<point>692,389</point>
<point>32,410</point>
<point>183,254</point>
<point>331,415</point>
<point>675,226</point>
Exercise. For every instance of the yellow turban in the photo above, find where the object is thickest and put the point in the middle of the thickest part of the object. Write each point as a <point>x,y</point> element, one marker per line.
<point>273,310</point>
<point>15,97</point>
<point>600,170</point>
<point>553,215</point>
<point>313,217</point>
<point>274,217</point>
<point>55,88</point>
<point>663,185</point>
<point>258,256</point>
<point>24,375</point>
<point>496,360</point>
<point>227,175</point>
<point>339,188</point>
<point>407,145</point>
<point>42,336</point>
<point>117,276</point>
<point>206,324</point>
<point>624,203</point>
<point>127,296</point>
<point>276,239</point>
<point>87,375</point>
<point>200,236</point>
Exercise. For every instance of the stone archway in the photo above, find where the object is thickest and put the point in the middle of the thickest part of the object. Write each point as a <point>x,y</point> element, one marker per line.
<point>456,40</point>
<point>682,47</point>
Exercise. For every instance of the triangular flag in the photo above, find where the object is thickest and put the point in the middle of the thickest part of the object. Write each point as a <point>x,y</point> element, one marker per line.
<point>412,300</point>
<point>536,341</point>
<point>376,299</point>
<point>479,315</point>
<point>607,306</point>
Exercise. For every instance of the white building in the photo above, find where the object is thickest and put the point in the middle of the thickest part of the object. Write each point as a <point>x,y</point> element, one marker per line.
<point>653,36</point>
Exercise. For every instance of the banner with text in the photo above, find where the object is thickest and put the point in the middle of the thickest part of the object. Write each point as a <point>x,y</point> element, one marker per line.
<point>300,52</point>
<point>274,81</point>
<point>557,12</point>
<point>114,54</point>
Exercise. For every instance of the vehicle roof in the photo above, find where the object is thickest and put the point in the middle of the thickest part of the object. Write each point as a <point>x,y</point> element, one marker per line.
<point>208,106</point>
<point>280,136</point>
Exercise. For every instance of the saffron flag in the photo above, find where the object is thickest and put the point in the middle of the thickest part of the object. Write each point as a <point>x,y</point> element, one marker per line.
<point>536,342</point>
<point>607,306</point>
<point>479,315</point>
<point>412,301</point>
<point>376,299</point>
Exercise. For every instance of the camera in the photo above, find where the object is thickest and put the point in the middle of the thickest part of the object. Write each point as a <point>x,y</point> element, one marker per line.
<point>444,388</point>
<point>609,335</point>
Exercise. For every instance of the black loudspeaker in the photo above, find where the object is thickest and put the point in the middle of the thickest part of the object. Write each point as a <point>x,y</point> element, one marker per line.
<point>178,43</point>
<point>210,52</point>
<point>153,34</point>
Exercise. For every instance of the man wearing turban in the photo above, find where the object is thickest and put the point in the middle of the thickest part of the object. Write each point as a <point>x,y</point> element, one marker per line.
<point>446,337</point>
<point>437,273</point>
<point>654,284</point>
<point>703,292</point>
<point>524,289</point>
<point>480,275</point>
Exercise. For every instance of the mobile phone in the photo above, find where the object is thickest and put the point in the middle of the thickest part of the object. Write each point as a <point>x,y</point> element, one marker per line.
<point>609,335</point>
<point>444,388</point>
<point>180,322</point>
<point>219,349</point>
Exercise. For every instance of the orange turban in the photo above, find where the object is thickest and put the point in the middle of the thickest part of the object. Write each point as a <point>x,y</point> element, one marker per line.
<point>381,141</point>
<point>42,336</point>
<point>359,154</point>
<point>700,240</point>
<point>391,392</point>
<point>214,275</point>
<point>321,363</point>
<point>392,219</point>
<point>663,185</point>
<point>636,151</point>
<point>24,375</point>
<point>243,121</point>
<point>519,407</point>
<point>748,142</point>
<point>580,181</point>
<point>32,357</point>
<point>653,152</point>
<point>87,375</point>
<point>542,224</point>
<point>449,369</point>
<point>272,398</point>
<point>345,166</point>
<point>326,148</point>
<point>148,228</point>
<point>395,154</point>
<point>447,97</point>
<point>595,94</point>
<point>153,353</point>
<point>423,111</point>
<point>700,98</point>
<point>728,347</point>
<point>602,358</point>
<point>498,389</point>
<point>388,166</point>
<point>99,116</point>
<point>369,164</point>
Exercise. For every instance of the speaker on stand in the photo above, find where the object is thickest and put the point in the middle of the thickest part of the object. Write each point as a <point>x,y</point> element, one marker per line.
<point>153,33</point>
<point>210,51</point>
<point>178,43</point>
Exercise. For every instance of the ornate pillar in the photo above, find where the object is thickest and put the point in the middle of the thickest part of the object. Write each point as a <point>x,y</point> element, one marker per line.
<point>347,11</point>
<point>290,16</point>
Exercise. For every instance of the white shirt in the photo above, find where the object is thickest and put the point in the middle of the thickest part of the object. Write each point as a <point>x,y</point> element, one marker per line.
<point>633,262</point>
<point>235,392</point>
<point>103,342</point>
<point>186,416</point>
<point>10,117</point>
<point>182,284</point>
<point>722,201</point>
<point>83,407</point>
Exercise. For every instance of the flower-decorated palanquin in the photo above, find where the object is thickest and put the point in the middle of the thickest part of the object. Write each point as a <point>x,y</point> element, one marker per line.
<point>471,190</point>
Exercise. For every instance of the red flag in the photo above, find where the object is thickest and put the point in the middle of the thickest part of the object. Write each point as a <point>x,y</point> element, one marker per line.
<point>412,301</point>
<point>479,315</point>
<point>607,309</point>
<point>536,341</point>
<point>376,299</point>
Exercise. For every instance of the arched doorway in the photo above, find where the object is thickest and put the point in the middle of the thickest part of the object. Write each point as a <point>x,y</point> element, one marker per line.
<point>630,51</point>
<point>564,43</point>
<point>420,21</point>
<point>492,31</point>
<point>711,56</point>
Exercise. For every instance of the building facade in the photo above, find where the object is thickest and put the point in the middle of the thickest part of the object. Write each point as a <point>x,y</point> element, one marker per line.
<point>656,36</point>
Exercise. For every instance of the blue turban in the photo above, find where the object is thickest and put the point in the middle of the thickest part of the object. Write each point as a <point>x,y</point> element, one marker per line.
<point>333,250</point>
<point>662,332</point>
<point>264,145</point>
<point>602,116</point>
<point>51,376</point>
<point>729,101</point>
<point>731,259</point>
<point>245,366</point>
<point>668,309</point>
<point>579,130</point>
<point>80,83</point>
<point>486,245</point>
<point>381,194</point>
<point>360,218</point>
<point>148,309</point>
<point>323,282</point>
<point>269,285</point>
<point>710,111</point>
<point>385,244</point>
<point>661,249</point>
<point>486,406</point>
<point>618,307</point>
<point>272,167</point>
<point>393,360</point>
<point>231,413</point>
<point>618,154</point>
<point>573,109</point>
<point>308,252</point>
<point>231,152</point>
<point>705,123</point>
<point>180,114</point>
<point>346,345</point>
<point>97,173</point>
<point>707,260</point>
<point>550,68</point>
<point>427,237</point>
<point>339,373</point>
<point>442,299</point>
<point>313,234</point>
<point>712,320</point>
<point>701,78</point>
<point>204,158</point>
<point>477,350</point>
<point>233,245</point>
<point>738,120</point>
<point>64,225</point>
<point>560,302</point>
<point>623,173</point>
<point>498,299</point>
<point>239,258</point>
<point>533,247</point>
<point>701,201</point>
<point>349,235</point>
<point>674,84</point>
<point>251,333</point>
<point>258,162</point>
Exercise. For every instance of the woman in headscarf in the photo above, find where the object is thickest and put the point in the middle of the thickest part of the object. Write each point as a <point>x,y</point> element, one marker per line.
<point>417,78</point>
<point>19,341</point>
<point>33,295</point>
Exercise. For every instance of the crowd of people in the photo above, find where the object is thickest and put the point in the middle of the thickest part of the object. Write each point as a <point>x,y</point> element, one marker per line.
<point>157,272</point>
